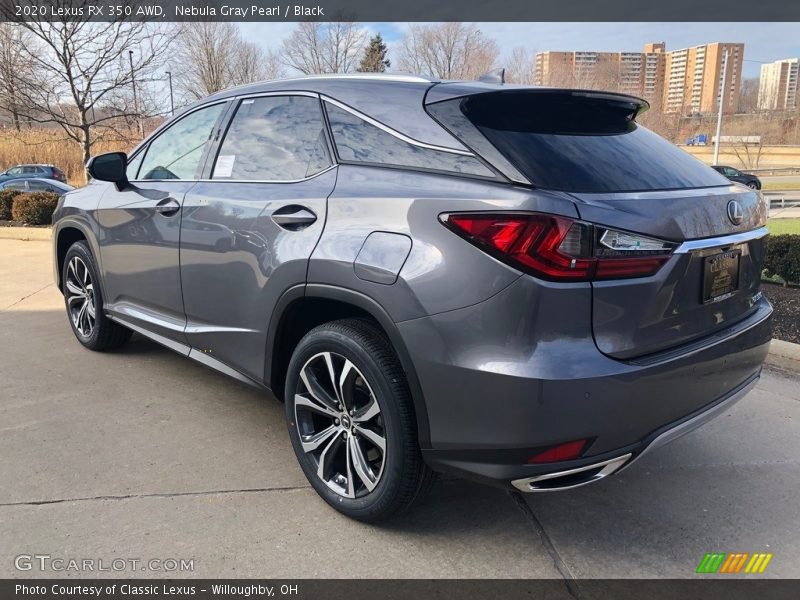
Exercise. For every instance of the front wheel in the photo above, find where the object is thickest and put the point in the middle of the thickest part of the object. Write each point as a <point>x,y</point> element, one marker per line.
<point>351,421</point>
<point>83,297</point>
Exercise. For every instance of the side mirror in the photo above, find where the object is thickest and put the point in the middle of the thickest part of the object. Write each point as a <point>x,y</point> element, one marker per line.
<point>109,167</point>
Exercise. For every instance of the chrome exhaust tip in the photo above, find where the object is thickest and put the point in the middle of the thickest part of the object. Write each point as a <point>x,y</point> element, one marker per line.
<point>566,480</point>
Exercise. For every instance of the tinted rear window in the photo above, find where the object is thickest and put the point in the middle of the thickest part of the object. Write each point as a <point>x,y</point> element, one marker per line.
<point>579,143</point>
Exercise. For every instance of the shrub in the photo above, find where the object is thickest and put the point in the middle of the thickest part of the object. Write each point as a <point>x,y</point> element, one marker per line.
<point>782,257</point>
<point>6,200</point>
<point>34,208</point>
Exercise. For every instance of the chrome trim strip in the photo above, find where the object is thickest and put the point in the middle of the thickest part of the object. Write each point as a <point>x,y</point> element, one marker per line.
<point>164,341</point>
<point>724,240</point>
<point>394,132</point>
<point>529,484</point>
<point>687,426</point>
<point>221,367</point>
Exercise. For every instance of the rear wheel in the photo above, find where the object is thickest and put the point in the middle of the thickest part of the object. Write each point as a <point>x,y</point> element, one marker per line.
<point>752,185</point>
<point>84,302</point>
<point>351,421</point>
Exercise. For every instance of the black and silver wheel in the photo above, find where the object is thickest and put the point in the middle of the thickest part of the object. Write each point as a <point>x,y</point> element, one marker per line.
<point>752,185</point>
<point>351,421</point>
<point>84,302</point>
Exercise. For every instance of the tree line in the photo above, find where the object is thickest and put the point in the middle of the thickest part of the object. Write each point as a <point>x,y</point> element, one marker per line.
<point>98,81</point>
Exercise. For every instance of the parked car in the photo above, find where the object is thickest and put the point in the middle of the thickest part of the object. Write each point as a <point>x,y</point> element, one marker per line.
<point>37,171</point>
<point>738,176</point>
<point>519,285</point>
<point>36,185</point>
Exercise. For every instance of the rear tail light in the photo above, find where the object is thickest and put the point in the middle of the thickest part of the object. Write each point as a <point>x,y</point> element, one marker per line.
<point>561,249</point>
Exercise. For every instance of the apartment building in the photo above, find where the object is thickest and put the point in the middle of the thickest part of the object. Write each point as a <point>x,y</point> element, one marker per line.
<point>638,73</point>
<point>693,78</point>
<point>777,88</point>
<point>686,80</point>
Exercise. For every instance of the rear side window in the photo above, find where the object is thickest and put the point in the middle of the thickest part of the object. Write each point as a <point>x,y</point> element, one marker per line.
<point>176,153</point>
<point>362,142</point>
<point>274,138</point>
<point>577,142</point>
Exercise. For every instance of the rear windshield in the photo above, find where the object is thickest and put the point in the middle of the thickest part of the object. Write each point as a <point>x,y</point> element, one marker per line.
<point>575,142</point>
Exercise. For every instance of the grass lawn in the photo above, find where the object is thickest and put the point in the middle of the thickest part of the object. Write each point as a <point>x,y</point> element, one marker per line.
<point>778,226</point>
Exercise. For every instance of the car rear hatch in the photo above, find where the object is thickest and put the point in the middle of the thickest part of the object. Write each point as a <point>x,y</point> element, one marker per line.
<point>644,190</point>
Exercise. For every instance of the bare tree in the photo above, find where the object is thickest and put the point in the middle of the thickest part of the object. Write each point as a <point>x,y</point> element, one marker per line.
<point>447,50</point>
<point>748,95</point>
<point>315,48</point>
<point>521,66</point>
<point>78,69</point>
<point>212,56</point>
<point>15,67</point>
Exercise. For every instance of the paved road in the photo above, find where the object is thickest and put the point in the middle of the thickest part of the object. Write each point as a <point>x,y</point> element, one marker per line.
<point>143,454</point>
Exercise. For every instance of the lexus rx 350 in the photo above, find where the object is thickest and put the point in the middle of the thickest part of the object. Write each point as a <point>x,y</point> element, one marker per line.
<point>519,285</point>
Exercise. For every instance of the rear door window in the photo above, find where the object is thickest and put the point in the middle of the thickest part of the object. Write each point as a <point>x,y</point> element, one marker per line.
<point>577,142</point>
<point>359,141</point>
<point>274,138</point>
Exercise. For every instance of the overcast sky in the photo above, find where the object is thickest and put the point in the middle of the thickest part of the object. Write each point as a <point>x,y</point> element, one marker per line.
<point>764,42</point>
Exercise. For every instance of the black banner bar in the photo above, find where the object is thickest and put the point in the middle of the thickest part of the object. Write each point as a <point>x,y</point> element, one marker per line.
<point>702,588</point>
<point>405,10</point>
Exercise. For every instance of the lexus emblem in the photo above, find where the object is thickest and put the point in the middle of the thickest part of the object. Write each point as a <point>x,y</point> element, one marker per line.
<point>735,212</point>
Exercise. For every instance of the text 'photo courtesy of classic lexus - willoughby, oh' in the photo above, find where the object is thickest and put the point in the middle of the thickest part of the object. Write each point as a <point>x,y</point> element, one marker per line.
<point>519,285</point>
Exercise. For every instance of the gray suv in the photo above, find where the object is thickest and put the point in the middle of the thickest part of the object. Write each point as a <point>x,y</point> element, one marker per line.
<point>518,285</point>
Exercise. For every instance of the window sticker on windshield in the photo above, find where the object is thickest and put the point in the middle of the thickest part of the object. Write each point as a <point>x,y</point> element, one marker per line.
<point>224,166</point>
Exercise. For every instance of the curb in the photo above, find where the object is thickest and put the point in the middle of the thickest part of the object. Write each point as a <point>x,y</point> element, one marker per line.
<point>785,355</point>
<point>26,234</point>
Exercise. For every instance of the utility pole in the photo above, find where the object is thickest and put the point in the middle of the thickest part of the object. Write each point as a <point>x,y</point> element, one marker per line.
<point>171,101</point>
<point>135,99</point>
<point>721,107</point>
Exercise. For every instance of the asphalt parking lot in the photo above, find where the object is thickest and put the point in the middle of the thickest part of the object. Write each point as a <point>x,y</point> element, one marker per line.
<point>144,454</point>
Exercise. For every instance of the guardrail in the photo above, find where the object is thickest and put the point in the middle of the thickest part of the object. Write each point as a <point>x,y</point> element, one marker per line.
<point>782,199</point>
<point>774,171</point>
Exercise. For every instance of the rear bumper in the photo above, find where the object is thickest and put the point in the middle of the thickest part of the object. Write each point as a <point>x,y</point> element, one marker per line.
<point>535,379</point>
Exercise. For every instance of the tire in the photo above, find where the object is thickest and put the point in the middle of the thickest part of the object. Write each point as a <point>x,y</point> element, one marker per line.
<point>752,185</point>
<point>380,484</point>
<point>80,284</point>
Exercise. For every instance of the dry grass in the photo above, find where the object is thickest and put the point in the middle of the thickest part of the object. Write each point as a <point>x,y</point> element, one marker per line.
<point>48,147</point>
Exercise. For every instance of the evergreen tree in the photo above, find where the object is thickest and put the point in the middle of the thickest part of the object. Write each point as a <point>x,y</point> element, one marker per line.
<point>374,60</point>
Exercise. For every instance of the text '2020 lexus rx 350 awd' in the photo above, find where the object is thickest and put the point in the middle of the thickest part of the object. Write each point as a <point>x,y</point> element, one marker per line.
<point>519,285</point>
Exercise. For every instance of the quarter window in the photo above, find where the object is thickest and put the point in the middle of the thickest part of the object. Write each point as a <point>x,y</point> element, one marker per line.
<point>274,138</point>
<point>359,141</point>
<point>176,153</point>
<point>133,166</point>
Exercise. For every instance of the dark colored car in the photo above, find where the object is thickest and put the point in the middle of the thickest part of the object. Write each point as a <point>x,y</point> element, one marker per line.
<point>37,171</point>
<point>36,185</point>
<point>518,285</point>
<point>738,176</point>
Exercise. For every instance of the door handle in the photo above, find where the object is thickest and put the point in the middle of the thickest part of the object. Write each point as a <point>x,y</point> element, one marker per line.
<point>168,207</point>
<point>293,217</point>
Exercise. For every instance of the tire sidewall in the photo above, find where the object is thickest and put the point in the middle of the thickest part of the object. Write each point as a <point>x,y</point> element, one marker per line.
<point>80,250</point>
<point>322,340</point>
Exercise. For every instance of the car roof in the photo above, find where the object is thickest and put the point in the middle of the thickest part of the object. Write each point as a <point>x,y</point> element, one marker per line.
<point>394,100</point>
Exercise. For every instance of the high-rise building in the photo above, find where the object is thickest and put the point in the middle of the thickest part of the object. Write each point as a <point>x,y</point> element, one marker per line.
<point>686,81</point>
<point>693,78</point>
<point>778,86</point>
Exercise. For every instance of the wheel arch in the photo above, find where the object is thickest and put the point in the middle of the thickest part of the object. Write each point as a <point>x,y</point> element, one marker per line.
<point>326,303</point>
<point>66,235</point>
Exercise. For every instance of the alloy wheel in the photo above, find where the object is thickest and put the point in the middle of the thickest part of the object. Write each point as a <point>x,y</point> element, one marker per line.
<point>80,297</point>
<point>340,425</point>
